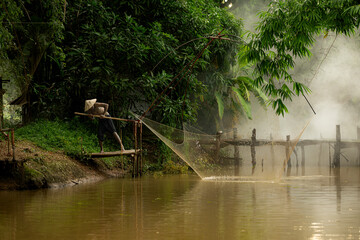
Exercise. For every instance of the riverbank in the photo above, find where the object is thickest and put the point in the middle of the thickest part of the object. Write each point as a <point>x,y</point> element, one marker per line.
<point>35,168</point>
<point>56,153</point>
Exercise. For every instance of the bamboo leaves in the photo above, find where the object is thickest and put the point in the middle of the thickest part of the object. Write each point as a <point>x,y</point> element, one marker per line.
<point>245,104</point>
<point>237,98</point>
<point>220,104</point>
<point>287,30</point>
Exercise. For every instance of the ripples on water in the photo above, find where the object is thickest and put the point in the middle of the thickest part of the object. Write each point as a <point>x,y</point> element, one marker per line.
<point>322,205</point>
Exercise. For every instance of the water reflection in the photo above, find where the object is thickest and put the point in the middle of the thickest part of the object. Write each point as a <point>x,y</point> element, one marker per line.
<point>322,205</point>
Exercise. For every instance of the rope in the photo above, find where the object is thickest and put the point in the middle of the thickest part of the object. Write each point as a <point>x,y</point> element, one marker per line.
<point>191,68</point>
<point>206,37</point>
<point>152,106</point>
<point>317,70</point>
<point>192,40</point>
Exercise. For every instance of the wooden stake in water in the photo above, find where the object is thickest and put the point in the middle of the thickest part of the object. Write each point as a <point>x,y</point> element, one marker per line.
<point>288,151</point>
<point>217,147</point>
<point>358,137</point>
<point>253,142</point>
<point>236,154</point>
<point>337,147</point>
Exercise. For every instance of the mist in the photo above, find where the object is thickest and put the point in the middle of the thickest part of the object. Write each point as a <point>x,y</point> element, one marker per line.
<point>333,75</point>
<point>335,89</point>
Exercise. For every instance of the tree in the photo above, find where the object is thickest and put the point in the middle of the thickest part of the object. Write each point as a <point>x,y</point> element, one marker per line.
<point>287,30</point>
<point>67,51</point>
<point>114,57</point>
<point>30,31</point>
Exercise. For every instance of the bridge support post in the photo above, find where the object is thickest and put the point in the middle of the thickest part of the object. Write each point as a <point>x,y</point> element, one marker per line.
<point>337,147</point>
<point>320,153</point>
<point>302,156</point>
<point>303,160</point>
<point>288,151</point>
<point>236,153</point>
<point>358,138</point>
<point>218,146</point>
<point>253,142</point>
<point>137,157</point>
<point>272,152</point>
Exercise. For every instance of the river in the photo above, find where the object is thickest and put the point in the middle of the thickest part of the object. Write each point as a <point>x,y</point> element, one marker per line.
<point>324,205</point>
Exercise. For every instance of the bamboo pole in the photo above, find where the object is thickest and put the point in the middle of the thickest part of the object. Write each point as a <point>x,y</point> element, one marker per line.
<point>8,140</point>
<point>112,154</point>
<point>98,116</point>
<point>135,167</point>
<point>141,163</point>
<point>13,142</point>
<point>1,104</point>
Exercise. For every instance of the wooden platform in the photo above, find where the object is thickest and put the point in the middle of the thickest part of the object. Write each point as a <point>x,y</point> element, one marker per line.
<point>112,154</point>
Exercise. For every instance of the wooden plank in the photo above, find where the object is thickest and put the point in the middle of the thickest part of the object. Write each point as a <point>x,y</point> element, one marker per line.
<point>6,129</point>
<point>261,142</point>
<point>98,116</point>
<point>112,154</point>
<point>350,144</point>
<point>306,142</point>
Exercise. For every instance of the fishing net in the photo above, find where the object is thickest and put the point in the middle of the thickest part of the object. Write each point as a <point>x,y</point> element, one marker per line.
<point>232,154</point>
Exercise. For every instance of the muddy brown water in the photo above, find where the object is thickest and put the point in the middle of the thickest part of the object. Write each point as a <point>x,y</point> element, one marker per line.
<point>322,205</point>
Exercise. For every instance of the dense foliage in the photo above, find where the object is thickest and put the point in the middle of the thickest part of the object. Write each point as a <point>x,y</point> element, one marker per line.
<point>63,52</point>
<point>108,50</point>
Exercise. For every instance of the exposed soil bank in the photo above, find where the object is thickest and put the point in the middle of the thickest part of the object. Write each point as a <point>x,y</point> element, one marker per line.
<point>36,168</point>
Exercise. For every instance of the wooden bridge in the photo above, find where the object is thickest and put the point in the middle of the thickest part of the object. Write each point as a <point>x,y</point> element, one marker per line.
<point>220,142</point>
<point>337,144</point>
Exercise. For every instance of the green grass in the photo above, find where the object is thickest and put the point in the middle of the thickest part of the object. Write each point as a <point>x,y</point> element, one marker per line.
<point>69,136</point>
<point>74,135</point>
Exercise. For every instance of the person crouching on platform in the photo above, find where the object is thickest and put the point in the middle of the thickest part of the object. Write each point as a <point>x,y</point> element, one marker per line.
<point>105,124</point>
